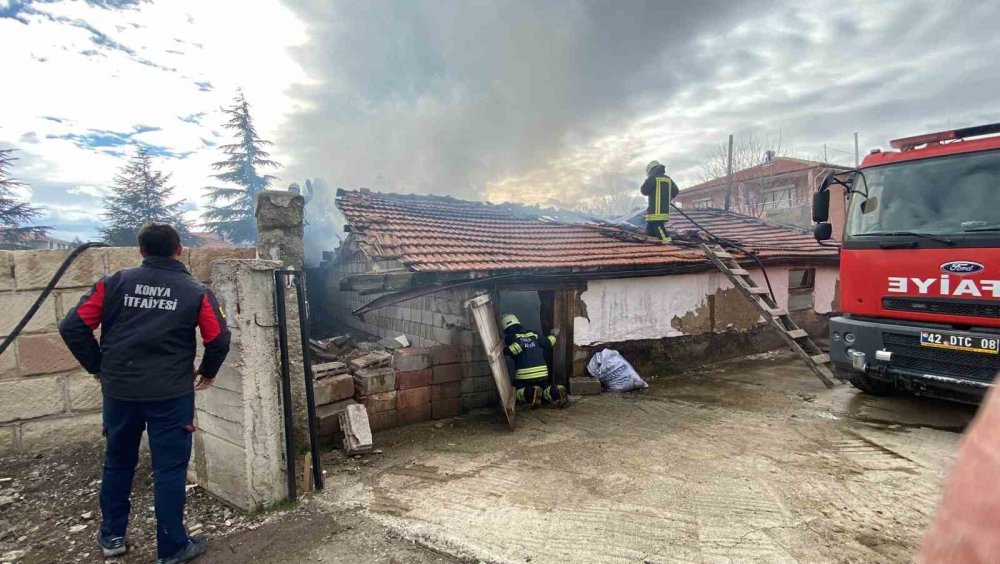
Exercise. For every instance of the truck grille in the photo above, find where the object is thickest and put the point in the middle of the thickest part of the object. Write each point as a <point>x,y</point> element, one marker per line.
<point>970,308</point>
<point>909,355</point>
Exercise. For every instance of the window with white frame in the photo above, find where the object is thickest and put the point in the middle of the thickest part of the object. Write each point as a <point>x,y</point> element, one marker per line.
<point>801,285</point>
<point>703,203</point>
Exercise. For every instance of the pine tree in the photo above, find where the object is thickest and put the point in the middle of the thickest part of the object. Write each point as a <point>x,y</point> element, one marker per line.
<point>231,209</point>
<point>15,215</point>
<point>141,195</point>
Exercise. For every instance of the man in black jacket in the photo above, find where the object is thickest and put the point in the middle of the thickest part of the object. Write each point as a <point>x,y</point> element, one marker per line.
<point>145,364</point>
<point>661,190</point>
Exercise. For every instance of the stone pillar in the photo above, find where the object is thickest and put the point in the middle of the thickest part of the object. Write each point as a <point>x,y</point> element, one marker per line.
<point>239,447</point>
<point>279,227</point>
<point>279,238</point>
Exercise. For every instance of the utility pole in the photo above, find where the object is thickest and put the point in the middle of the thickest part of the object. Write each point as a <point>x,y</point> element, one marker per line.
<point>857,154</point>
<point>729,174</point>
<point>825,159</point>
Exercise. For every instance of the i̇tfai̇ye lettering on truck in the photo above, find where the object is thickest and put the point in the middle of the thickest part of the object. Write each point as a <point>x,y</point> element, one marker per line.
<point>919,266</point>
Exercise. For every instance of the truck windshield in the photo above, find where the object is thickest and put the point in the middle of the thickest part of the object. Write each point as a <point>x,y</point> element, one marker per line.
<point>941,196</point>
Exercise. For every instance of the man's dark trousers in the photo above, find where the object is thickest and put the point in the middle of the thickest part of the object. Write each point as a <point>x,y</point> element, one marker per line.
<point>169,425</point>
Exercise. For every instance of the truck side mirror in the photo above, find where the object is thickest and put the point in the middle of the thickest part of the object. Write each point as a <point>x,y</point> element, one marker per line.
<point>821,205</point>
<point>823,231</point>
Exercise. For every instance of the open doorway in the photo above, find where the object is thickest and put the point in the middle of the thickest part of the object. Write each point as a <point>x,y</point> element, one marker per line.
<point>541,309</point>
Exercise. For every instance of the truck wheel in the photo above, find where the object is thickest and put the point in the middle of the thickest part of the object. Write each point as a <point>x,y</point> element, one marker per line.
<point>872,386</point>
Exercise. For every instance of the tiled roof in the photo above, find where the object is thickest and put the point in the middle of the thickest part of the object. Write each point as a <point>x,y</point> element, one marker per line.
<point>777,167</point>
<point>443,234</point>
<point>763,238</point>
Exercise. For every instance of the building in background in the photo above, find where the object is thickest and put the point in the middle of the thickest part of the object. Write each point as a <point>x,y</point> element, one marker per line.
<point>37,242</point>
<point>779,190</point>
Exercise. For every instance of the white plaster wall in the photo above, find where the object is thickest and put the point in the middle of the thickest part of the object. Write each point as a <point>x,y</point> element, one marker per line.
<point>642,308</point>
<point>826,288</point>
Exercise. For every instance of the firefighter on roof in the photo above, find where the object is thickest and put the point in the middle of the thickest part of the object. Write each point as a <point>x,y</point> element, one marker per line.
<point>531,374</point>
<point>661,190</point>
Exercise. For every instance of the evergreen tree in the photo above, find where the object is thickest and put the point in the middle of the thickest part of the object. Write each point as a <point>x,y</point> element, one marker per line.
<point>15,215</point>
<point>141,195</point>
<point>230,212</point>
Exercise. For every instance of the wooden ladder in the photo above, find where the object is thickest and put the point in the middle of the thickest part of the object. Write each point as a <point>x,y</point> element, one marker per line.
<point>796,338</point>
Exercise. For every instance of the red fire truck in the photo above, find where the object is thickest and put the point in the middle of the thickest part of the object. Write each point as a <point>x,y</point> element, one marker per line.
<point>920,266</point>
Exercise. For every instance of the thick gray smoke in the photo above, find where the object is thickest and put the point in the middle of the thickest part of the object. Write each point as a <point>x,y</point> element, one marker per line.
<point>443,97</point>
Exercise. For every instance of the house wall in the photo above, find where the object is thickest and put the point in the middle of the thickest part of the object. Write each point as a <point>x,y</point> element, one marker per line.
<point>46,398</point>
<point>439,322</point>
<point>658,322</point>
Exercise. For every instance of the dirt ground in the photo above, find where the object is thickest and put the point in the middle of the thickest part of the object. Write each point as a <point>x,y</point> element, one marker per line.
<point>744,461</point>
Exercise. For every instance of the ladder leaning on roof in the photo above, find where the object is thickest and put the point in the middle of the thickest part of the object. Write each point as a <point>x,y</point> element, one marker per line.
<point>796,338</point>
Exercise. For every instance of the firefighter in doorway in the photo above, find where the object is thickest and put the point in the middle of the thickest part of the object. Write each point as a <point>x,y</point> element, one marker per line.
<point>661,190</point>
<point>531,374</point>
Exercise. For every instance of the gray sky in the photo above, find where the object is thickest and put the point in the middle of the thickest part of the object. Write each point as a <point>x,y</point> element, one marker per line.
<point>549,101</point>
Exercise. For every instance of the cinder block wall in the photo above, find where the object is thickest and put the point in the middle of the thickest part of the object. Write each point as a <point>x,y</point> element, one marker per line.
<point>46,398</point>
<point>438,321</point>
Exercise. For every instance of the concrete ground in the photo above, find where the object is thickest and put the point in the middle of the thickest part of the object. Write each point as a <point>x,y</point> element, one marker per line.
<point>745,461</point>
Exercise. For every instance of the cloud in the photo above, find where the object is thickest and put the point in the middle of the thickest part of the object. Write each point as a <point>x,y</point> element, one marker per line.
<point>553,102</point>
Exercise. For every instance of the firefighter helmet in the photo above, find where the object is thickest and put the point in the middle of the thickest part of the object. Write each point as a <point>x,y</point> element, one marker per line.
<point>509,320</point>
<point>652,165</point>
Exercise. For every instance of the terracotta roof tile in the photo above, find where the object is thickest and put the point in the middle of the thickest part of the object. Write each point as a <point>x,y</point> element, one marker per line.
<point>442,234</point>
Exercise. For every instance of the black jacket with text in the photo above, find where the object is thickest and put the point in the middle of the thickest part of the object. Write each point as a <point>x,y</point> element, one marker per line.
<point>147,317</point>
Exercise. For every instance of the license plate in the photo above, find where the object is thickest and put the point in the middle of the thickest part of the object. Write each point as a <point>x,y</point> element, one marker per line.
<point>965,343</point>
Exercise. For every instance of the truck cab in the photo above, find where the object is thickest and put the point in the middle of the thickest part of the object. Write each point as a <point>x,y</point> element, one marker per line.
<point>920,266</point>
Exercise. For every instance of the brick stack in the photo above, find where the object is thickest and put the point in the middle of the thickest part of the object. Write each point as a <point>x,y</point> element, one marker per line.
<point>413,385</point>
<point>334,389</point>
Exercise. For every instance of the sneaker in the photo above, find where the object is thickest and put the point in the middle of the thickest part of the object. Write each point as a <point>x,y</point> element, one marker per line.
<point>194,549</point>
<point>111,545</point>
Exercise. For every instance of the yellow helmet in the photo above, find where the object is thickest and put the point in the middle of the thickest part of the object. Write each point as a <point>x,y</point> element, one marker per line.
<point>509,320</point>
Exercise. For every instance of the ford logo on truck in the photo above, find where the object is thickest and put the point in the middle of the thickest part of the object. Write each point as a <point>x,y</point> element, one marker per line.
<point>962,267</point>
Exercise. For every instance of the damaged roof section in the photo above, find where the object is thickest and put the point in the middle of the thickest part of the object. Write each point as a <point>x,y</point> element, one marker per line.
<point>443,234</point>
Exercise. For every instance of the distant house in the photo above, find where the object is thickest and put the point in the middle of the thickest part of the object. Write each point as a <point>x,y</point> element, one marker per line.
<point>779,190</point>
<point>37,242</point>
<point>210,240</point>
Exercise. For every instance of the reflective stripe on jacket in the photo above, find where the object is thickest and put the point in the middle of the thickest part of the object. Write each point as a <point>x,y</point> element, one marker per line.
<point>661,190</point>
<point>527,350</point>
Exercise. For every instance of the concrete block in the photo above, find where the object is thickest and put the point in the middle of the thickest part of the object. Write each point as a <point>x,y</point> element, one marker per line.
<point>383,420</point>
<point>371,360</point>
<point>29,398</point>
<point>68,299</point>
<point>44,354</point>
<point>448,390</point>
<point>200,260</point>
<point>479,400</point>
<point>84,392</point>
<point>231,431</point>
<point>411,359</point>
<point>476,369</point>
<point>334,388</point>
<point>6,271</point>
<point>220,467</point>
<point>120,258</point>
<point>374,380</point>
<point>415,414</point>
<point>447,373</point>
<point>8,440</point>
<point>382,401</point>
<point>328,416</point>
<point>584,386</point>
<point>414,379</point>
<point>446,408</point>
<point>34,269</point>
<point>14,306</point>
<point>413,397</point>
<point>478,384</point>
<point>222,403</point>
<point>8,361</point>
<point>357,430</point>
<point>329,368</point>
<point>48,434</point>
<point>444,354</point>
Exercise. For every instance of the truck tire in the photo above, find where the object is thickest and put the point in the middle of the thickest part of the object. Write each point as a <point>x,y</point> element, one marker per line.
<point>872,386</point>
